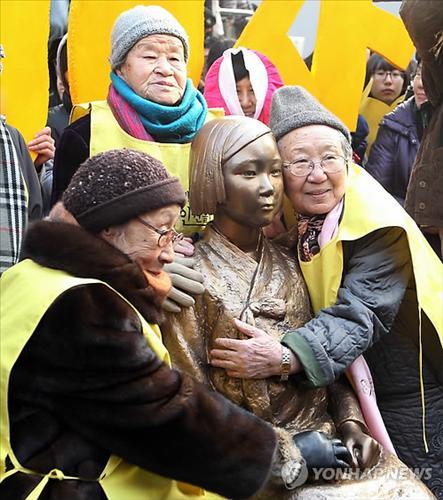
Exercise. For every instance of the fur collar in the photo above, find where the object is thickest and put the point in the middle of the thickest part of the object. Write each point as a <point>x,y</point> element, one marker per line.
<point>70,248</point>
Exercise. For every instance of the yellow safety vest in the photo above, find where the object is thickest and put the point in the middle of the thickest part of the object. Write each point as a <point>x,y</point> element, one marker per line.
<point>27,292</point>
<point>373,110</point>
<point>368,207</point>
<point>107,134</point>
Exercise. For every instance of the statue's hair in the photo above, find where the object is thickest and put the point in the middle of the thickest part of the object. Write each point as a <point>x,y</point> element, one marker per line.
<point>215,143</point>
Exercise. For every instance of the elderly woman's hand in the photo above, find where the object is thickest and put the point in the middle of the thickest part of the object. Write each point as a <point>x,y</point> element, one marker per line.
<point>258,357</point>
<point>184,247</point>
<point>43,146</point>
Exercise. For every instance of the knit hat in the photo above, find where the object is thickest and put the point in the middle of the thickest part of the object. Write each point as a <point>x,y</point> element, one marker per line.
<point>294,107</point>
<point>139,22</point>
<point>113,187</point>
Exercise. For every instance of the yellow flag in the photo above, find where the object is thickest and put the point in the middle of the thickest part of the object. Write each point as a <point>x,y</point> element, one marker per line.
<point>24,82</point>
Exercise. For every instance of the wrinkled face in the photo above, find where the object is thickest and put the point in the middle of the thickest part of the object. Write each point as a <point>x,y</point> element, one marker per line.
<point>318,192</point>
<point>246,96</point>
<point>155,69</point>
<point>419,91</point>
<point>253,184</point>
<point>387,85</point>
<point>140,243</point>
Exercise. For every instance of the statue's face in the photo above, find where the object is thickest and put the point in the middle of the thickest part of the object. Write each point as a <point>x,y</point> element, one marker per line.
<point>253,183</point>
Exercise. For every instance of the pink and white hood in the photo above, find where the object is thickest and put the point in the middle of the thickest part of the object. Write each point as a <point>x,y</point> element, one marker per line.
<point>220,89</point>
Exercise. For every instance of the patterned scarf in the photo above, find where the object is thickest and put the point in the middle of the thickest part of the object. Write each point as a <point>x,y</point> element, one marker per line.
<point>126,116</point>
<point>309,229</point>
<point>177,124</point>
<point>13,201</point>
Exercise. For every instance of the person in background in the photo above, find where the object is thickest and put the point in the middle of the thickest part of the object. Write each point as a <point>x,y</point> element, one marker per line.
<point>242,82</point>
<point>214,48</point>
<point>58,116</point>
<point>424,21</point>
<point>359,140</point>
<point>58,119</point>
<point>398,139</point>
<point>387,90</point>
<point>95,410</point>
<point>218,46</point>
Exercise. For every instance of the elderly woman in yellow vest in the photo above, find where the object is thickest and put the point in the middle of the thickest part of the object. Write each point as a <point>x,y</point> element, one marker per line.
<point>90,408</point>
<point>151,106</point>
<point>236,175</point>
<point>375,285</point>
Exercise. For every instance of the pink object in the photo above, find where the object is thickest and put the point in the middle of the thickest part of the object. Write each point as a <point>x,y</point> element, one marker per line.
<point>359,372</point>
<point>220,88</point>
<point>364,388</point>
<point>330,225</point>
<point>126,116</point>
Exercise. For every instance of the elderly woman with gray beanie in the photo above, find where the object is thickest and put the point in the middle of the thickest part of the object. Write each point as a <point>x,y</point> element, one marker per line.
<point>151,105</point>
<point>90,407</point>
<point>375,285</point>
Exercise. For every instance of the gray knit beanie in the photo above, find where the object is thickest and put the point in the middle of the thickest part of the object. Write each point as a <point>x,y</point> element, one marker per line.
<point>139,22</point>
<point>294,107</point>
<point>113,187</point>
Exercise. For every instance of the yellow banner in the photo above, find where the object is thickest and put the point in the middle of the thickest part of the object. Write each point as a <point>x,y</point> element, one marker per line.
<point>24,82</point>
<point>346,28</point>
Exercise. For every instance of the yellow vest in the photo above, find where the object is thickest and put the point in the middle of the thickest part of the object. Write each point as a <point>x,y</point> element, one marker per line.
<point>368,207</point>
<point>107,134</point>
<point>373,110</point>
<point>27,292</point>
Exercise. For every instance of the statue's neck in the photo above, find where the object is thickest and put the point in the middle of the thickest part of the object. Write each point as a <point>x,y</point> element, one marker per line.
<point>244,237</point>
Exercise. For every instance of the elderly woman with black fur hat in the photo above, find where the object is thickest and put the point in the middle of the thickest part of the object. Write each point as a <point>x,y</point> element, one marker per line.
<point>90,408</point>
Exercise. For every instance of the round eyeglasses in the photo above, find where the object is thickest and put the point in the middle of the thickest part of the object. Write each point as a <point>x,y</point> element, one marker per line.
<point>166,236</point>
<point>330,164</point>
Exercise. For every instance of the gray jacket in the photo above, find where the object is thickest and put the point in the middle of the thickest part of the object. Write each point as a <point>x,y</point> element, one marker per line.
<point>376,314</point>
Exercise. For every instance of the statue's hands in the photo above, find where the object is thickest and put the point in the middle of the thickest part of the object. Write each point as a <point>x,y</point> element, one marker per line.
<point>185,283</point>
<point>257,357</point>
<point>364,449</point>
<point>321,452</point>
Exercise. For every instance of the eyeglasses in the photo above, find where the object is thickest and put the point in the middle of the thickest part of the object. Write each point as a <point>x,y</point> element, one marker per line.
<point>330,164</point>
<point>382,74</point>
<point>166,236</point>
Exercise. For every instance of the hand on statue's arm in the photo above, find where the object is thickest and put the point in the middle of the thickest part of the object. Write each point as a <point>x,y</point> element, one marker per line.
<point>184,247</point>
<point>186,283</point>
<point>257,357</point>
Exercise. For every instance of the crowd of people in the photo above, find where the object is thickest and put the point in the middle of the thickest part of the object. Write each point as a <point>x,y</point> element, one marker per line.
<point>220,291</point>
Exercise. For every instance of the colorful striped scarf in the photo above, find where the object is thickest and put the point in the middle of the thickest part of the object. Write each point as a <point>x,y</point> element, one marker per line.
<point>175,124</point>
